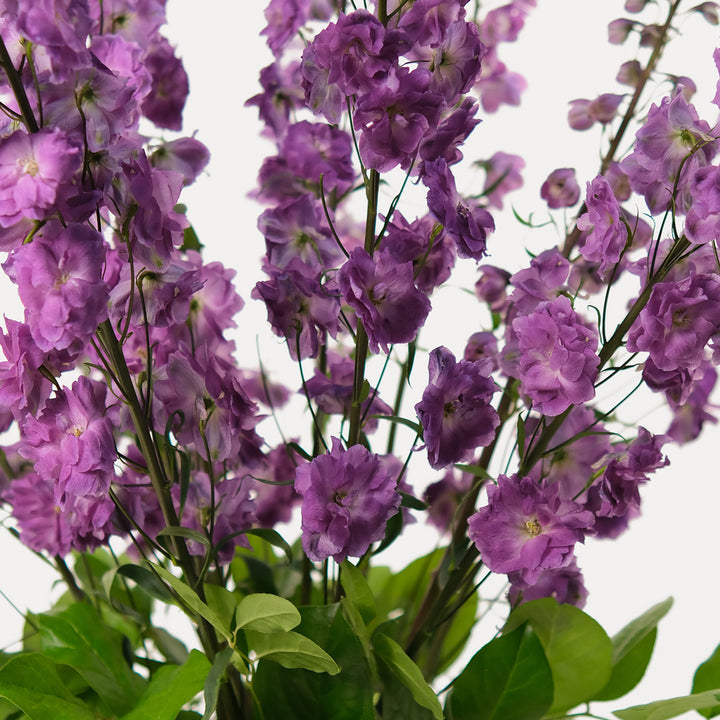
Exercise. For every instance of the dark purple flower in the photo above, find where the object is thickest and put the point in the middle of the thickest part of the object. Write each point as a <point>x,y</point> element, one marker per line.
<point>526,528</point>
<point>383,294</point>
<point>560,189</point>
<point>491,286</point>
<point>186,156</point>
<point>455,409</point>
<point>282,94</point>
<point>607,234</point>
<point>451,132</point>
<point>395,117</point>
<point>165,101</point>
<point>558,363</point>
<point>299,307</point>
<point>347,498</point>
<point>444,496</point>
<point>467,225</point>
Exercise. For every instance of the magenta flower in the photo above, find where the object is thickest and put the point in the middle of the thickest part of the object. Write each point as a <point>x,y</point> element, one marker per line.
<point>347,498</point>
<point>527,529</point>
<point>383,294</point>
<point>35,169</point>
<point>558,363</point>
<point>455,409</point>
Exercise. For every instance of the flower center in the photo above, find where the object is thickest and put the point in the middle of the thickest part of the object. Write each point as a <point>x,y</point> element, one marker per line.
<point>30,166</point>
<point>533,527</point>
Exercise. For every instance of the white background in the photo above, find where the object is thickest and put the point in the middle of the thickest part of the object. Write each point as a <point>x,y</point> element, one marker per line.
<point>563,53</point>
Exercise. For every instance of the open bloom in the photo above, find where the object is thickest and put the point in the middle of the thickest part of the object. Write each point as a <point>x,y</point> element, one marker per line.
<point>348,496</point>
<point>527,529</point>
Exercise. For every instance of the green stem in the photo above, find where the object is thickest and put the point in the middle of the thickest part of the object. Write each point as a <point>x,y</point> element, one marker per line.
<point>361,338</point>
<point>18,89</point>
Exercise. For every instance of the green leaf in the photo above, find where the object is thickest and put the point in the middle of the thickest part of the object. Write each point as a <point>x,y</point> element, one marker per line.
<point>170,688</point>
<point>357,590</point>
<point>305,695</point>
<point>416,426</point>
<point>274,538</point>
<point>188,534</point>
<point>632,649</point>
<point>408,673</point>
<point>168,645</point>
<point>144,578</point>
<point>213,681</point>
<point>78,637</point>
<point>707,677</point>
<point>576,647</point>
<point>508,679</point>
<point>31,682</point>
<point>191,600</point>
<point>291,650</point>
<point>266,613</point>
<point>665,709</point>
<point>410,501</point>
<point>191,240</point>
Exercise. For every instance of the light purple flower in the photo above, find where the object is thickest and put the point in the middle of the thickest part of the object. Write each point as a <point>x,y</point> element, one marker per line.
<point>526,528</point>
<point>606,234</point>
<point>560,189</point>
<point>455,409</point>
<point>347,498</point>
<point>59,279</point>
<point>503,176</point>
<point>558,361</point>
<point>34,170</point>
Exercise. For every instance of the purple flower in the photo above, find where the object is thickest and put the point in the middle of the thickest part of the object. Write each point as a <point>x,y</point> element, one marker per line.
<point>558,363</point>
<point>565,584</point>
<point>347,498</point>
<point>618,30</point>
<point>579,117</point>
<point>467,225</point>
<point>503,176</point>
<point>690,415</point>
<point>165,101</point>
<point>702,223</point>
<point>444,496</point>
<point>526,528</point>
<point>384,297</point>
<point>299,307</point>
<point>71,443</point>
<point>455,409</point>
<point>560,189</point>
<point>186,156</point>
<point>606,235</point>
<point>34,170</point>
<point>284,19</point>
<point>677,323</point>
<point>59,279</point>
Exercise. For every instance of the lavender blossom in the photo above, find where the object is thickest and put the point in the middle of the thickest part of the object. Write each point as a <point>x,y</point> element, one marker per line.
<point>526,528</point>
<point>455,409</point>
<point>347,498</point>
<point>560,189</point>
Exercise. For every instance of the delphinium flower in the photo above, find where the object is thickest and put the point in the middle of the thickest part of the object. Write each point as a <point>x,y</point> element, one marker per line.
<point>702,223</point>
<point>299,307</point>
<point>691,414</point>
<point>606,234</point>
<point>383,295</point>
<point>560,189</point>
<point>614,498</point>
<point>455,409</point>
<point>565,584</point>
<point>491,286</point>
<point>186,155</point>
<point>232,513</point>
<point>272,487</point>
<point>426,245</point>
<point>558,361</point>
<point>582,442</point>
<point>282,94</point>
<point>59,279</point>
<point>526,528</point>
<point>444,496</point>
<point>503,175</point>
<point>347,498</point>
<point>35,171</point>
<point>678,321</point>
<point>333,391</point>
<point>673,136</point>
<point>583,114</point>
<point>467,224</point>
